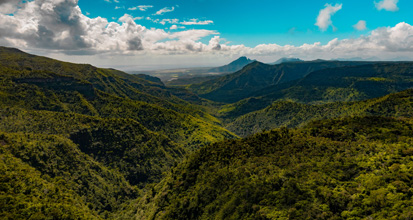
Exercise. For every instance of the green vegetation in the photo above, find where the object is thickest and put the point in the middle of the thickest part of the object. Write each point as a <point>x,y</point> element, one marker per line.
<point>80,142</point>
<point>292,114</point>
<point>91,136</point>
<point>343,84</point>
<point>256,76</point>
<point>351,168</point>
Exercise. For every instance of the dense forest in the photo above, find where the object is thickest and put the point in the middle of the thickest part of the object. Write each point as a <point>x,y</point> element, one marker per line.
<point>296,140</point>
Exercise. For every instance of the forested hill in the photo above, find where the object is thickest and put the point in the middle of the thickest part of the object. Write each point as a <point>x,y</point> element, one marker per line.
<point>39,83</point>
<point>293,114</point>
<point>350,168</point>
<point>255,76</point>
<point>78,141</point>
<point>349,83</point>
<point>81,142</point>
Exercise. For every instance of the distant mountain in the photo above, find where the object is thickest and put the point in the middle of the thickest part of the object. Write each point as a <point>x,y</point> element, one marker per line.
<point>292,114</point>
<point>348,83</point>
<point>233,66</point>
<point>286,60</point>
<point>255,76</point>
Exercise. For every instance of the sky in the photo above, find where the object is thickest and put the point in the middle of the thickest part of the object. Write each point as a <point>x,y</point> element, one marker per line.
<point>161,34</point>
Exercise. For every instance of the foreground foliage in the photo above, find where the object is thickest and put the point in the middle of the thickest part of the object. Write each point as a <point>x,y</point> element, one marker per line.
<point>352,168</point>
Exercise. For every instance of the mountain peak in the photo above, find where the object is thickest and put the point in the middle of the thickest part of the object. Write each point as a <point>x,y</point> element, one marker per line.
<point>242,60</point>
<point>234,65</point>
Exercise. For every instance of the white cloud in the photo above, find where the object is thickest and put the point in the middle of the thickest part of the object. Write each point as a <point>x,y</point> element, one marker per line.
<point>360,26</point>
<point>144,7</point>
<point>196,22</point>
<point>166,21</point>
<point>388,5</point>
<point>176,27</point>
<point>9,6</point>
<point>324,17</point>
<point>140,7</point>
<point>60,27</point>
<point>164,10</point>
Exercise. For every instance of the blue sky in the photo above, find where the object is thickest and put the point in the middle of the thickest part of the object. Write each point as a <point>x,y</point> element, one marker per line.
<point>148,34</point>
<point>261,21</point>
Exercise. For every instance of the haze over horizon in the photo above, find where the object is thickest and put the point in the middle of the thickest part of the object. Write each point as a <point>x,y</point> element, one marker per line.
<point>164,34</point>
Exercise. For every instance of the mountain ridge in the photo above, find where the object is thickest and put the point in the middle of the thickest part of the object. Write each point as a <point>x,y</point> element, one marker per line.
<point>255,76</point>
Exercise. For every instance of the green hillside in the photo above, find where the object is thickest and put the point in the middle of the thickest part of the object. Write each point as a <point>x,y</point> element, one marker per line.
<point>81,142</point>
<point>256,76</point>
<point>26,194</point>
<point>352,168</point>
<point>39,83</point>
<point>349,83</point>
<point>73,177</point>
<point>90,136</point>
<point>292,114</point>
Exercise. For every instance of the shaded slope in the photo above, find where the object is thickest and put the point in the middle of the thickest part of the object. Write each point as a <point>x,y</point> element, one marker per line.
<point>239,85</point>
<point>122,144</point>
<point>350,83</point>
<point>292,114</point>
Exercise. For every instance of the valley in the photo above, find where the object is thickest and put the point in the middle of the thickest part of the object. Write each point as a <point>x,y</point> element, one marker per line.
<point>290,140</point>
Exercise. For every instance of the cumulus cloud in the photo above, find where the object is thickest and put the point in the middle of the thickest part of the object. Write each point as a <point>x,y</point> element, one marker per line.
<point>9,6</point>
<point>164,10</point>
<point>360,26</point>
<point>388,5</point>
<point>196,22</point>
<point>60,27</point>
<point>324,16</point>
